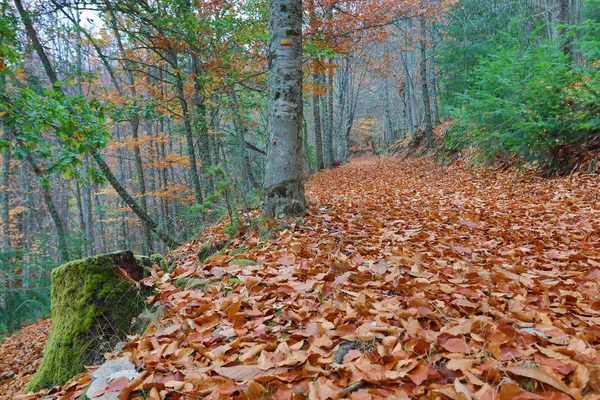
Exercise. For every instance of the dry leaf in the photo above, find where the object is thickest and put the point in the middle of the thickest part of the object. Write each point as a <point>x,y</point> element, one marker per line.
<point>540,376</point>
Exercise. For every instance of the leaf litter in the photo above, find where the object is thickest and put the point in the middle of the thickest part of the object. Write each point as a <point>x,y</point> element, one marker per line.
<point>402,280</point>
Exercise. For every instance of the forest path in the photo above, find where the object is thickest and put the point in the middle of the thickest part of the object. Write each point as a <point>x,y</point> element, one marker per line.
<point>403,279</point>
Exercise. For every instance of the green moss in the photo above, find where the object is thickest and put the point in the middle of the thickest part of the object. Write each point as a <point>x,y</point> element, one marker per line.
<point>232,230</point>
<point>242,262</point>
<point>159,260</point>
<point>205,251</point>
<point>237,251</point>
<point>154,259</point>
<point>92,308</point>
<point>191,283</point>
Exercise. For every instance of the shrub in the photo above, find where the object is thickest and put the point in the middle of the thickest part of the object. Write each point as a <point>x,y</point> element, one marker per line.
<point>532,104</point>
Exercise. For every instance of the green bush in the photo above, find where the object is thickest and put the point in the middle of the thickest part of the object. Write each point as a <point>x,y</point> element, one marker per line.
<point>24,290</point>
<point>532,105</point>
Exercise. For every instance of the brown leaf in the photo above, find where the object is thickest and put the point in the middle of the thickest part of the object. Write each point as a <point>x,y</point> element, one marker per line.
<point>455,345</point>
<point>539,375</point>
<point>243,373</point>
<point>419,374</point>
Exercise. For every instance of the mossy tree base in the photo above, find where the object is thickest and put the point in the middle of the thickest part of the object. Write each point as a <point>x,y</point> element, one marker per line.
<point>92,309</point>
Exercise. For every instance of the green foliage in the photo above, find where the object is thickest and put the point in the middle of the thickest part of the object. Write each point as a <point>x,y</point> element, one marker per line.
<point>24,290</point>
<point>232,230</point>
<point>525,101</point>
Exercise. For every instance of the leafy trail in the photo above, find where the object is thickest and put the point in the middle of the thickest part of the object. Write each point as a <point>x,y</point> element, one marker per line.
<point>20,356</point>
<point>404,279</point>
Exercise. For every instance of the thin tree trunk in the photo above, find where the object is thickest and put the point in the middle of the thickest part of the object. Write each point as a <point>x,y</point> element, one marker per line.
<point>342,83</point>
<point>424,85</point>
<point>134,125</point>
<point>316,109</point>
<point>100,222</point>
<point>242,149</point>
<point>5,199</point>
<point>329,154</point>
<point>81,246</point>
<point>189,138</point>
<point>5,183</point>
<point>120,189</point>
<point>63,249</point>
<point>306,148</point>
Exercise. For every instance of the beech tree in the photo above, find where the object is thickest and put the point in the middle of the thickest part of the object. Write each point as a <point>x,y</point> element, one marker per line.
<point>284,175</point>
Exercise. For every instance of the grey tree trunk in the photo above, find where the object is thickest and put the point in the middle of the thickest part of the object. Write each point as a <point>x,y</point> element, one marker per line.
<point>5,200</point>
<point>242,149</point>
<point>5,183</point>
<point>564,18</point>
<point>187,125</point>
<point>284,175</point>
<point>327,118</point>
<point>329,153</point>
<point>82,246</point>
<point>316,109</point>
<point>342,83</point>
<point>424,84</point>
<point>63,248</point>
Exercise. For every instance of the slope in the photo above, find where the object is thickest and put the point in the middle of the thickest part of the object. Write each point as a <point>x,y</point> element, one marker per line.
<point>402,280</point>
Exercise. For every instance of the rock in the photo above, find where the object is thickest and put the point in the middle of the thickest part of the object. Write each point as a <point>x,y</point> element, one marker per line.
<point>110,370</point>
<point>92,309</point>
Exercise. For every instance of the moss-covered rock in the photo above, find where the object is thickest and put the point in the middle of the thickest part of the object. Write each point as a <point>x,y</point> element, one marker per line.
<point>92,309</point>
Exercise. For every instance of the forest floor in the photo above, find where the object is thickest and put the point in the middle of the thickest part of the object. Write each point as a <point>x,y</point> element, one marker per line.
<point>402,280</point>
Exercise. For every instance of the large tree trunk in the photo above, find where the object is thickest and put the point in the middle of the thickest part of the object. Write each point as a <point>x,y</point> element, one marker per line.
<point>284,175</point>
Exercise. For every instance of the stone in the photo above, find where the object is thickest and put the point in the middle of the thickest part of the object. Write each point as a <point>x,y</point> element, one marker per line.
<point>109,371</point>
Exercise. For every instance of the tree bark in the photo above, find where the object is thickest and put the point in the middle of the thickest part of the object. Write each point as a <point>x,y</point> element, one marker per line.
<point>424,84</point>
<point>284,175</point>
<point>342,83</point>
<point>316,109</point>
<point>242,149</point>
<point>200,122</point>
<point>5,183</point>
<point>329,153</point>
<point>5,200</point>
<point>63,248</point>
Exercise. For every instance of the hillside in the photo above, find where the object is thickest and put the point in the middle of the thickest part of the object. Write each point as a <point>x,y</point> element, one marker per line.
<point>403,279</point>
